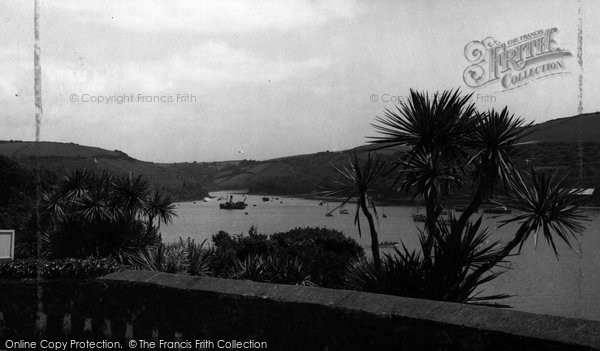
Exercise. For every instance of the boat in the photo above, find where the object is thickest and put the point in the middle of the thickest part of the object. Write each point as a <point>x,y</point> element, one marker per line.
<point>230,205</point>
<point>389,244</point>
<point>206,199</point>
<point>496,209</point>
<point>344,211</point>
<point>463,209</point>
<point>419,217</point>
<point>265,199</point>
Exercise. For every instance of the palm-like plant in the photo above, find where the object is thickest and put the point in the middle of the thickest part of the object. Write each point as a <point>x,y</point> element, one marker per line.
<point>53,205</point>
<point>451,143</point>
<point>107,211</point>
<point>437,129</point>
<point>546,205</point>
<point>452,276</point>
<point>358,181</point>
<point>441,123</point>
<point>131,194</point>
<point>74,185</point>
<point>159,206</point>
<point>494,147</point>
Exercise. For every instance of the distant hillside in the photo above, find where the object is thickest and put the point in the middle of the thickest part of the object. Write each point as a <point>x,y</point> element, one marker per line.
<point>62,157</point>
<point>554,147</point>
<point>585,128</point>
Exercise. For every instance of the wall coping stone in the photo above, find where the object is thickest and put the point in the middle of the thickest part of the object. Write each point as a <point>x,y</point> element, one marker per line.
<point>563,330</point>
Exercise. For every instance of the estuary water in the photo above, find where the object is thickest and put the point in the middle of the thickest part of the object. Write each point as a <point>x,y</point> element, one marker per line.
<point>538,281</point>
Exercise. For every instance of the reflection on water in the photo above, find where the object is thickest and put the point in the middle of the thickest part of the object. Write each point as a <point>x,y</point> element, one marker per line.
<point>541,283</point>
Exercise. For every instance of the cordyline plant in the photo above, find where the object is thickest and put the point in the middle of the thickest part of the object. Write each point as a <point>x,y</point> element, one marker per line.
<point>358,182</point>
<point>97,213</point>
<point>451,145</point>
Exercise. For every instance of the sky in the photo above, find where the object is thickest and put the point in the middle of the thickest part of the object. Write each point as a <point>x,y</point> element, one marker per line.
<point>182,81</point>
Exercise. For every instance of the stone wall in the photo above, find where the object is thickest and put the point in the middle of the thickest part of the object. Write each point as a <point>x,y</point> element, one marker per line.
<point>139,305</point>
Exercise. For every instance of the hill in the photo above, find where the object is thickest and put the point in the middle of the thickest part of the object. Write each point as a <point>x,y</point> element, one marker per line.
<point>554,146</point>
<point>584,127</point>
<point>62,157</point>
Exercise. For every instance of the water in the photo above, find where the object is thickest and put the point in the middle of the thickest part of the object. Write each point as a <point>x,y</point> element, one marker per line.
<point>540,283</point>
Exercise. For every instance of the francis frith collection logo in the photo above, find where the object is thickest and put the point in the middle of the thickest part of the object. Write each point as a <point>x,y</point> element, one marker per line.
<point>514,63</point>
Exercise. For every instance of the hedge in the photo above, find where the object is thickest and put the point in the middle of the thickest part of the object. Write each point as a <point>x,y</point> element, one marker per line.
<point>68,268</point>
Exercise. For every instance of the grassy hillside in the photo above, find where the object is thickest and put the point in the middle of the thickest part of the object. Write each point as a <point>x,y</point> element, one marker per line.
<point>554,146</point>
<point>585,128</point>
<point>62,157</point>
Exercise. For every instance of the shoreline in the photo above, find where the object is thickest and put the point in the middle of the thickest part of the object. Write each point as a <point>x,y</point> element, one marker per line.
<point>315,197</point>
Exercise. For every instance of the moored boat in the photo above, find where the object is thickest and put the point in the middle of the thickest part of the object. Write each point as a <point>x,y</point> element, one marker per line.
<point>419,217</point>
<point>496,209</point>
<point>230,205</point>
<point>385,244</point>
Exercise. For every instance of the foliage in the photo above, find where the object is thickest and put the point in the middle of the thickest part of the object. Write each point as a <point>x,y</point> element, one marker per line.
<point>317,255</point>
<point>17,203</point>
<point>452,145</point>
<point>274,269</point>
<point>178,257</point>
<point>228,249</point>
<point>70,268</point>
<point>452,276</point>
<point>97,213</point>
<point>359,181</point>
<point>325,251</point>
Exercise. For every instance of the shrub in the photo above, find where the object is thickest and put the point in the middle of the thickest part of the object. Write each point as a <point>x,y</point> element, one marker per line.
<point>178,257</point>
<point>273,269</point>
<point>326,252</point>
<point>70,268</point>
<point>319,253</point>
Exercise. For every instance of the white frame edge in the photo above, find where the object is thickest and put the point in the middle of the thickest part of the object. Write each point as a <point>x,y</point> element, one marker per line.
<point>10,232</point>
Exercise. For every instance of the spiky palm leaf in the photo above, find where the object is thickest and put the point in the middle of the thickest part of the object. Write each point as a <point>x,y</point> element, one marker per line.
<point>95,207</point>
<point>75,185</point>
<point>545,205</point>
<point>455,273</point>
<point>130,193</point>
<point>252,267</point>
<point>358,181</point>
<point>426,174</point>
<point>53,205</point>
<point>160,206</point>
<point>495,145</point>
<point>427,124</point>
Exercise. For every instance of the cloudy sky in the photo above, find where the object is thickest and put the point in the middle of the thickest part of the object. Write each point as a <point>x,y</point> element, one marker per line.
<point>272,78</point>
